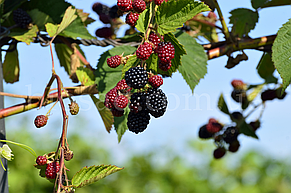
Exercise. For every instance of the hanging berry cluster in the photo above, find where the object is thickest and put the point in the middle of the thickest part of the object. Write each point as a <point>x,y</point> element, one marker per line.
<point>226,136</point>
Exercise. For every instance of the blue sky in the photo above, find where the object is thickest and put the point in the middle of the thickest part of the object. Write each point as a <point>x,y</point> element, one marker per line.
<point>186,112</point>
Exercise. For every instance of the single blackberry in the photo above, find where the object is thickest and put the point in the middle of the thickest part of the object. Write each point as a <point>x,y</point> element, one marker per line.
<point>255,125</point>
<point>110,97</point>
<point>40,121</point>
<point>114,61</point>
<point>236,116</point>
<point>212,15</point>
<point>138,122</point>
<point>234,146</point>
<point>99,8</point>
<point>271,94</point>
<point>52,169</point>
<point>116,112</point>
<point>120,102</point>
<point>213,126</point>
<point>154,38</point>
<point>104,32</point>
<point>131,18</point>
<point>136,77</point>
<point>144,51</point>
<point>156,81</point>
<point>138,6</point>
<point>164,66</point>
<point>21,18</point>
<point>165,51</point>
<point>113,12</point>
<point>104,18</point>
<point>204,134</point>
<point>159,2</point>
<point>230,134</point>
<point>74,108</point>
<point>239,96</point>
<point>41,160</point>
<point>124,5</point>
<point>219,152</point>
<point>238,84</point>
<point>138,102</point>
<point>121,85</point>
<point>156,102</point>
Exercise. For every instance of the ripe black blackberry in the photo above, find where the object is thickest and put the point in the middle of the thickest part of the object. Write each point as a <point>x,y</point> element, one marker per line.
<point>204,134</point>
<point>270,94</point>
<point>219,152</point>
<point>165,51</point>
<point>41,160</point>
<point>239,96</point>
<point>156,102</point>
<point>136,77</point>
<point>114,61</point>
<point>139,5</point>
<point>138,122</point>
<point>104,32</point>
<point>116,112</point>
<point>131,18</point>
<point>40,121</point>
<point>236,116</point>
<point>99,8</point>
<point>234,146</point>
<point>230,134</point>
<point>137,102</point>
<point>52,169</point>
<point>144,51</point>
<point>113,12</point>
<point>21,18</point>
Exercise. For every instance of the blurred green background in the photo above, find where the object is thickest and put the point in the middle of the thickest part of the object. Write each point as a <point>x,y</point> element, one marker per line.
<point>159,170</point>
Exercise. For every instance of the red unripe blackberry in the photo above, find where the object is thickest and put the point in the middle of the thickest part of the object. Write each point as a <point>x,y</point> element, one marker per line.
<point>21,18</point>
<point>52,169</point>
<point>41,160</point>
<point>110,97</point>
<point>121,85</point>
<point>117,112</point>
<point>213,126</point>
<point>212,15</point>
<point>164,66</point>
<point>104,18</point>
<point>136,77</point>
<point>159,2</point>
<point>237,84</point>
<point>219,152</point>
<point>139,6</point>
<point>203,133</point>
<point>234,146</point>
<point>120,102</point>
<point>230,134</point>
<point>138,122</point>
<point>131,18</point>
<point>124,5</point>
<point>154,38</point>
<point>114,61</point>
<point>156,102</point>
<point>144,51</point>
<point>40,121</point>
<point>137,102</point>
<point>74,108</point>
<point>156,81</point>
<point>104,32</point>
<point>165,51</point>
<point>99,8</point>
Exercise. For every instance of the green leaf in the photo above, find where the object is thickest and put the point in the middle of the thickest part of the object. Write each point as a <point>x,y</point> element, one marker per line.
<point>269,3</point>
<point>255,92</point>
<point>152,63</point>
<point>89,175</point>
<point>136,37</point>
<point>247,130</point>
<point>143,19</point>
<point>51,29</point>
<point>104,112</point>
<point>194,64</point>
<point>85,76</point>
<point>222,105</point>
<point>243,20</point>
<point>11,5</point>
<point>69,17</point>
<point>179,51</point>
<point>25,36</point>
<point>120,124</point>
<point>256,4</point>
<point>105,77</point>
<point>11,65</point>
<point>266,68</point>
<point>210,3</point>
<point>131,62</point>
<point>282,53</point>
<point>29,149</point>
<point>172,14</point>
<point>39,18</point>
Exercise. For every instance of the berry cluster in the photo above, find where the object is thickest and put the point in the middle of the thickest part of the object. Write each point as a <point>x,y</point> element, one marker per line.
<point>51,167</point>
<point>146,99</point>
